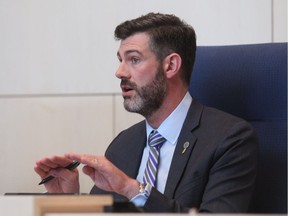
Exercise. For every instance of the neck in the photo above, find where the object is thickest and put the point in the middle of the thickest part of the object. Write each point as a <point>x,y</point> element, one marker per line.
<point>170,102</point>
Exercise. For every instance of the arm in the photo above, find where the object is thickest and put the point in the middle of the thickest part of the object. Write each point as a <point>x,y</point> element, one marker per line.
<point>232,177</point>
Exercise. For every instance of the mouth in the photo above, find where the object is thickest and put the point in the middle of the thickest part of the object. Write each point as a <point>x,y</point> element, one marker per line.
<point>126,90</point>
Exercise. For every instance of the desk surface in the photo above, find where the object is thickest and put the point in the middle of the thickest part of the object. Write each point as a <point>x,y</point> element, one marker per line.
<point>64,205</point>
<point>46,204</point>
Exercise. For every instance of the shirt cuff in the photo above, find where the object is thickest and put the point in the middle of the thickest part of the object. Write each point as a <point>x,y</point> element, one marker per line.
<point>140,199</point>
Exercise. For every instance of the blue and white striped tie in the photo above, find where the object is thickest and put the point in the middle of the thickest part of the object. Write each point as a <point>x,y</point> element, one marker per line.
<point>155,141</point>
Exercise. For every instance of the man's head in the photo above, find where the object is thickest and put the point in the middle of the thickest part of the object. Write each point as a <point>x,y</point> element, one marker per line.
<point>143,80</point>
<point>167,34</point>
<point>156,57</point>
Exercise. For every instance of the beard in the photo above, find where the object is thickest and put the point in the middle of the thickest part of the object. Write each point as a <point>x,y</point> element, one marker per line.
<point>148,98</point>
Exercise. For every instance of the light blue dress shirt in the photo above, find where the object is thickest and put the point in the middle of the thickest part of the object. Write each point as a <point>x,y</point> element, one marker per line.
<point>170,130</point>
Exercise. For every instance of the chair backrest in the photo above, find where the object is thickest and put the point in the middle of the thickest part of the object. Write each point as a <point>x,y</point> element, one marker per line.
<point>250,81</point>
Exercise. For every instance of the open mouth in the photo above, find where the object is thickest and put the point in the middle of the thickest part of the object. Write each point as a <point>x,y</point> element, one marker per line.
<point>126,90</point>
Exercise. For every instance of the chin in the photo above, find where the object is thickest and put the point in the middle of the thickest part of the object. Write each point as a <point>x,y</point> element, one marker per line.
<point>130,105</point>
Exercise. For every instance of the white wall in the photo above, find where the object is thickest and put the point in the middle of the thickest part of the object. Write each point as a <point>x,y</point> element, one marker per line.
<point>58,92</point>
<point>67,46</point>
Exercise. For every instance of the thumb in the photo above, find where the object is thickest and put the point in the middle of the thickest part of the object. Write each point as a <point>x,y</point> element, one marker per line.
<point>89,171</point>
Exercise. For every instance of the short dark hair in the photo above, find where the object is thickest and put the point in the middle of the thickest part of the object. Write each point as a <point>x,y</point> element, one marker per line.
<point>167,34</point>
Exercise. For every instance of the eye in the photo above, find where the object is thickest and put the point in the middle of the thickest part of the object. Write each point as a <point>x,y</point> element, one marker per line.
<point>135,60</point>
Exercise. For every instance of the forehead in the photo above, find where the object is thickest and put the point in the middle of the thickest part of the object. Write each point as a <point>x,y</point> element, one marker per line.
<point>138,42</point>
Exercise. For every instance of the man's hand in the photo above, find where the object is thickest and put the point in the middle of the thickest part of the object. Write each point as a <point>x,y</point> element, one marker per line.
<point>106,175</point>
<point>65,181</point>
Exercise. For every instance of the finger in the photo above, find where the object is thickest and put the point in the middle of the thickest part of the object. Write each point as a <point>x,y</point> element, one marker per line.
<point>88,171</point>
<point>60,161</point>
<point>44,166</point>
<point>73,156</point>
<point>63,173</point>
<point>40,171</point>
<point>41,168</point>
<point>51,162</point>
<point>90,160</point>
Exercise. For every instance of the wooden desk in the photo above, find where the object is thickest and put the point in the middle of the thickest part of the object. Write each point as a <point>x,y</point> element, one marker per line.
<point>75,205</point>
<point>46,204</point>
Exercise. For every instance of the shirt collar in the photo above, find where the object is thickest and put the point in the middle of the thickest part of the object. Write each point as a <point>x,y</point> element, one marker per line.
<point>170,128</point>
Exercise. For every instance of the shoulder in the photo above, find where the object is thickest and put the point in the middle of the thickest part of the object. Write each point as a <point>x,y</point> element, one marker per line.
<point>128,138</point>
<point>214,127</point>
<point>212,118</point>
<point>132,132</point>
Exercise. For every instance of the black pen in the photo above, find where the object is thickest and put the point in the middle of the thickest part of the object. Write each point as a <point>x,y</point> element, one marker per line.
<point>71,166</point>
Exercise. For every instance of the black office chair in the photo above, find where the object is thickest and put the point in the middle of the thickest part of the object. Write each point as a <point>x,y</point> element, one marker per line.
<point>250,81</point>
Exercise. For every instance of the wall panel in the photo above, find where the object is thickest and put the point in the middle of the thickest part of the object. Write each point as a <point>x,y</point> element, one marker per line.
<point>67,46</point>
<point>32,128</point>
<point>280,18</point>
<point>123,119</point>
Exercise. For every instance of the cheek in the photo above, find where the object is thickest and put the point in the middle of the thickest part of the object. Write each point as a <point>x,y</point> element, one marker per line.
<point>145,75</point>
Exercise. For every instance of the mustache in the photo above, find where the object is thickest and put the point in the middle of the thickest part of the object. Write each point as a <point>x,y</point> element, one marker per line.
<point>128,84</point>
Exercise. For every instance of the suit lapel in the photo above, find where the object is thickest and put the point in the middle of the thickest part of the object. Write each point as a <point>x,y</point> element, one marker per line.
<point>135,151</point>
<point>186,137</point>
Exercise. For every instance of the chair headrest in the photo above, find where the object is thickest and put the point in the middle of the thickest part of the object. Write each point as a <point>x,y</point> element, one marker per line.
<point>249,81</point>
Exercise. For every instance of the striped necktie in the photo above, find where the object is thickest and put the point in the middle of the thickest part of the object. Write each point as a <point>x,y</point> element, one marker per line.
<point>155,142</point>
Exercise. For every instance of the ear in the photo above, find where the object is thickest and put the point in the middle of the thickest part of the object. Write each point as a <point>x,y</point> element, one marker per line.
<point>172,64</point>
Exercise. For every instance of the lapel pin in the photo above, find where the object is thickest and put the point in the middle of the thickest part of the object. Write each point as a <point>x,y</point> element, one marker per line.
<point>185,146</point>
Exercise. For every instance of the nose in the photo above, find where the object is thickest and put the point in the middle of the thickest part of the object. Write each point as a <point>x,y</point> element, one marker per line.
<point>122,72</point>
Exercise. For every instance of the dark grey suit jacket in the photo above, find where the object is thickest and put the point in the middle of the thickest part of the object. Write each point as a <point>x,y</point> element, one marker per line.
<point>215,174</point>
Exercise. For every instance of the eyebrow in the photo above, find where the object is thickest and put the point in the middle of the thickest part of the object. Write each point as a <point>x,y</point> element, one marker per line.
<point>128,52</point>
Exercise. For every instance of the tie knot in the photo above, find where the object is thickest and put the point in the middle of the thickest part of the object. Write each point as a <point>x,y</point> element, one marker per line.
<point>156,140</point>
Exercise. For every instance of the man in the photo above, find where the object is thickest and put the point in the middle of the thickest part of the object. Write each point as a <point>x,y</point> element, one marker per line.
<point>207,158</point>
